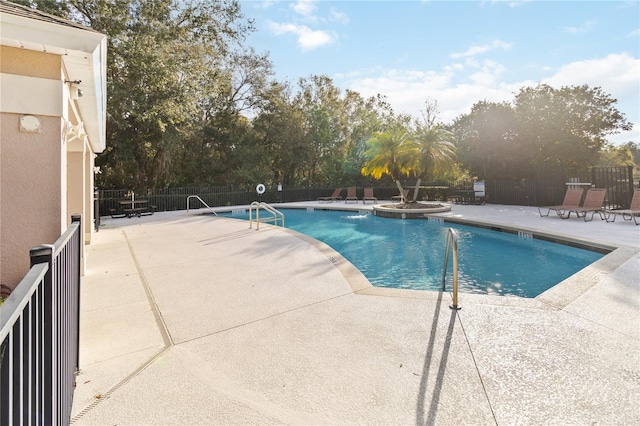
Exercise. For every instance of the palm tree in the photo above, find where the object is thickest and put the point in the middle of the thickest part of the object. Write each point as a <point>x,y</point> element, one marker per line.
<point>390,153</point>
<point>435,152</point>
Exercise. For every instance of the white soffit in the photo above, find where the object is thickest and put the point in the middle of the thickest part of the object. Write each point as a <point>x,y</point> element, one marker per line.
<point>43,36</point>
<point>83,53</point>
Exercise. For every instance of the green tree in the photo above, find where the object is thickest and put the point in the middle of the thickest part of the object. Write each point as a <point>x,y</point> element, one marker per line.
<point>486,142</point>
<point>634,149</point>
<point>565,129</point>
<point>391,153</point>
<point>433,146</point>
<point>164,58</point>
<point>614,156</point>
<point>52,7</point>
<point>217,142</point>
<point>362,119</point>
<point>322,104</point>
<point>281,135</point>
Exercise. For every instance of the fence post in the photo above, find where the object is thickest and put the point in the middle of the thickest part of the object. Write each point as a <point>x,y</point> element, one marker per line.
<point>80,241</point>
<point>44,254</point>
<point>96,209</point>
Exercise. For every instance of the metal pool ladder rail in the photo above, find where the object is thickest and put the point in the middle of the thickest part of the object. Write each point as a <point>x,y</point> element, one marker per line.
<point>276,214</point>
<point>202,201</point>
<point>452,243</point>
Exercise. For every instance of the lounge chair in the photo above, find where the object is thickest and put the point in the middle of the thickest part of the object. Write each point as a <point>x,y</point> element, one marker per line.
<point>368,196</point>
<point>334,197</point>
<point>633,212</point>
<point>593,203</point>
<point>571,200</point>
<point>351,194</point>
<point>401,197</point>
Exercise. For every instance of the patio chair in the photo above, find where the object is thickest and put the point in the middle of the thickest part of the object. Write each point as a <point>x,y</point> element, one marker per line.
<point>368,196</point>
<point>333,197</point>
<point>401,197</point>
<point>351,194</point>
<point>571,200</point>
<point>633,212</point>
<point>593,203</point>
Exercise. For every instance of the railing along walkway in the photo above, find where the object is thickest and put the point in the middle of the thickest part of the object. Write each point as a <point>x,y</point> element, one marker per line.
<point>39,331</point>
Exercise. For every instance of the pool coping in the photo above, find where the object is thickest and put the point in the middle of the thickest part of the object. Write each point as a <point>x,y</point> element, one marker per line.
<point>555,298</point>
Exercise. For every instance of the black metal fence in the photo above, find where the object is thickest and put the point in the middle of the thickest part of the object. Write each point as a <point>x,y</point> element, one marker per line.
<point>170,199</point>
<point>39,331</point>
<point>618,181</point>
<point>525,192</point>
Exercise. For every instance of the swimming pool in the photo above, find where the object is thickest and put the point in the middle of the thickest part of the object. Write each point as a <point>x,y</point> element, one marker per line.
<point>409,254</point>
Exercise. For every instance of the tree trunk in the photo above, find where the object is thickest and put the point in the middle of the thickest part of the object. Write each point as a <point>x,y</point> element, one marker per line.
<point>415,191</point>
<point>402,200</point>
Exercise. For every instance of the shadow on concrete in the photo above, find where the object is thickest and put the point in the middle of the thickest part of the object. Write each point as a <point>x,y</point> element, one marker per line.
<point>429,417</point>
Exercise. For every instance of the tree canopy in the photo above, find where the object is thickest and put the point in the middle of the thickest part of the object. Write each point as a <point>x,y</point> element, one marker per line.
<point>423,151</point>
<point>542,129</point>
<point>189,103</point>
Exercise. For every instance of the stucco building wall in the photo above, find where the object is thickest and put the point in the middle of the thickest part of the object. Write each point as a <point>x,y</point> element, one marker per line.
<point>33,181</point>
<point>52,122</point>
<point>31,206</point>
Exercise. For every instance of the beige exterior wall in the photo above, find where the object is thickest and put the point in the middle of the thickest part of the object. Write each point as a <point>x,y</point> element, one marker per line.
<point>32,192</point>
<point>29,63</point>
<point>45,176</point>
<point>32,183</point>
<point>46,170</point>
<point>88,214</point>
<point>80,188</point>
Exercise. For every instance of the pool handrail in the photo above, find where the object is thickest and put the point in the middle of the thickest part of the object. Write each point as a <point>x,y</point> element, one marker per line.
<point>277,215</point>
<point>202,201</point>
<point>452,243</point>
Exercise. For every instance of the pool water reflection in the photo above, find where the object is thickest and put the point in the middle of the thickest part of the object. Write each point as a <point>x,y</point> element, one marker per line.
<point>409,254</point>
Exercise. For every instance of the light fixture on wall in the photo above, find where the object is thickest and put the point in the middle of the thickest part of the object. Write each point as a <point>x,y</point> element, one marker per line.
<point>75,131</point>
<point>74,91</point>
<point>29,123</point>
<point>70,129</point>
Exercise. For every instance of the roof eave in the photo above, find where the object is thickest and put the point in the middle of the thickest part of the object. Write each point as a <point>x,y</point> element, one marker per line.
<point>84,53</point>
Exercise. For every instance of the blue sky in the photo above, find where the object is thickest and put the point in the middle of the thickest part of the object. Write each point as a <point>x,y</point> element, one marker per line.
<point>455,52</point>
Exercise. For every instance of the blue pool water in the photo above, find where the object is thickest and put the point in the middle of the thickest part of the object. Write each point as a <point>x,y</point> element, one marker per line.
<point>409,254</point>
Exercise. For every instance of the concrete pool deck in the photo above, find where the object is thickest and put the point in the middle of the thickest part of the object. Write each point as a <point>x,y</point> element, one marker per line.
<point>195,320</point>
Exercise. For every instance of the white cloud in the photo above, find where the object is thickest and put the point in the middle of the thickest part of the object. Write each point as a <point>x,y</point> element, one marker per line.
<point>511,3</point>
<point>407,91</point>
<point>338,16</point>
<point>305,8</point>
<point>584,28</point>
<point>483,48</point>
<point>457,90</point>
<point>488,74</point>
<point>265,4</point>
<point>308,39</point>
<point>617,74</point>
